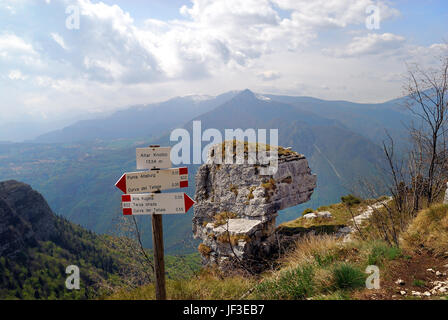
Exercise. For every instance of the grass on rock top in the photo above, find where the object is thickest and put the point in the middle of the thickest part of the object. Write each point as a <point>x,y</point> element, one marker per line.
<point>253,147</point>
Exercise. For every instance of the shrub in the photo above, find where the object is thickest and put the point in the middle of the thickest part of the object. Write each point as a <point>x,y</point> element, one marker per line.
<point>307,210</point>
<point>347,276</point>
<point>350,200</point>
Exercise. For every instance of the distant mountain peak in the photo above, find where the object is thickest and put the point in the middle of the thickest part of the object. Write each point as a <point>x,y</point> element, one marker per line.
<point>247,93</point>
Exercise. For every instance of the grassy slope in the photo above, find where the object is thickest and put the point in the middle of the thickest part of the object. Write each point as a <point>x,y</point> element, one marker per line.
<point>322,267</point>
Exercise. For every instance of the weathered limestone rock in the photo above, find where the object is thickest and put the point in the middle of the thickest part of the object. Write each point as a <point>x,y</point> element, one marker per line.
<point>236,206</point>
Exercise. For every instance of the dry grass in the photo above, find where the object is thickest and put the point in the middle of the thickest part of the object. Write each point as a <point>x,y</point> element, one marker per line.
<point>251,193</point>
<point>429,230</point>
<point>340,216</point>
<point>270,185</point>
<point>204,250</point>
<point>319,268</point>
<point>312,249</point>
<point>222,218</point>
<point>233,239</point>
<point>252,147</point>
<point>206,286</point>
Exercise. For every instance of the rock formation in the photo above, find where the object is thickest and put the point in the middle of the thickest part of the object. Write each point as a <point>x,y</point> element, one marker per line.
<point>236,206</point>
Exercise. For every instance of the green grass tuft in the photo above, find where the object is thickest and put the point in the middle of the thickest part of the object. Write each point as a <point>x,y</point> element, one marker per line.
<point>419,283</point>
<point>381,251</point>
<point>292,284</point>
<point>347,276</point>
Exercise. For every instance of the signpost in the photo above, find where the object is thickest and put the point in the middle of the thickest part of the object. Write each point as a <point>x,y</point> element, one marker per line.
<point>155,203</point>
<point>153,180</point>
<point>153,158</point>
<point>142,197</point>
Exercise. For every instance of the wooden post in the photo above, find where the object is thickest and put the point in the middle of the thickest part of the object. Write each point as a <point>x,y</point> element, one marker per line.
<point>159,263</point>
<point>157,243</point>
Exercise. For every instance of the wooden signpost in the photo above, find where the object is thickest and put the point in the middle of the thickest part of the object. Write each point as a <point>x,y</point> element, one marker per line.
<point>142,197</point>
<point>155,203</point>
<point>153,180</point>
<point>153,158</point>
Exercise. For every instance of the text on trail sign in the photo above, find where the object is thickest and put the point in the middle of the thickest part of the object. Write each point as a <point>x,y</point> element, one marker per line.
<point>155,203</point>
<point>151,181</point>
<point>153,157</point>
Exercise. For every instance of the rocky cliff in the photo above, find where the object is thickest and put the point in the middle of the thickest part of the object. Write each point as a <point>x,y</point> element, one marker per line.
<point>25,217</point>
<point>236,206</point>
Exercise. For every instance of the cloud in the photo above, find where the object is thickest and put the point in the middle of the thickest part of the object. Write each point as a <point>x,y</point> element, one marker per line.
<point>269,75</point>
<point>59,40</point>
<point>10,43</point>
<point>329,14</point>
<point>16,75</point>
<point>116,58</point>
<point>371,44</point>
<point>214,36</point>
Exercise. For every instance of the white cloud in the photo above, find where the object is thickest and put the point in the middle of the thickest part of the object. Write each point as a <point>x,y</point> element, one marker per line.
<point>16,75</point>
<point>59,40</point>
<point>216,35</point>
<point>333,13</point>
<point>114,59</point>
<point>11,43</point>
<point>371,44</point>
<point>269,75</point>
<point>429,55</point>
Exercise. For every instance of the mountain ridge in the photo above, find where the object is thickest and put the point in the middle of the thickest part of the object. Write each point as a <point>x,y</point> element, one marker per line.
<point>88,171</point>
<point>130,122</point>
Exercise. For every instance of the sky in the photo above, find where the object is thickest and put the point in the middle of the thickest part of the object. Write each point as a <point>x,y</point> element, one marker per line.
<point>75,58</point>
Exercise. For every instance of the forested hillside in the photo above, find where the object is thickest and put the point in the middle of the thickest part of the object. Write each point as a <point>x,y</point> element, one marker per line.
<point>37,246</point>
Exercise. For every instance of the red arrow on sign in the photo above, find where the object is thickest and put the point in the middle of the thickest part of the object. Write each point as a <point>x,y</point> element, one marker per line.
<point>188,202</point>
<point>156,203</point>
